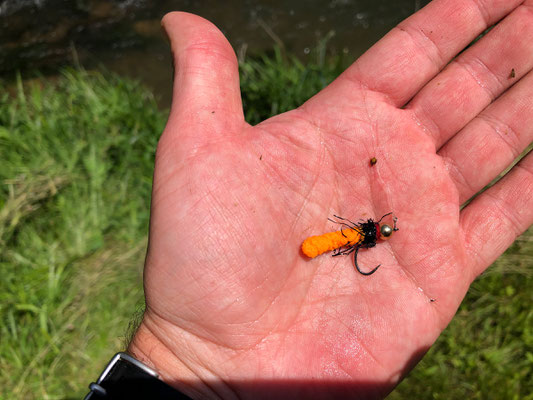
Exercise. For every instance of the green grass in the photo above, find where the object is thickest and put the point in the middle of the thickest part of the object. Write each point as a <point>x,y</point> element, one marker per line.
<point>487,350</point>
<point>77,160</point>
<point>77,157</point>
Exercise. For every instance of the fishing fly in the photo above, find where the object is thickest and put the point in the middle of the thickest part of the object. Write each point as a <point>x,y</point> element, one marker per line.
<point>352,237</point>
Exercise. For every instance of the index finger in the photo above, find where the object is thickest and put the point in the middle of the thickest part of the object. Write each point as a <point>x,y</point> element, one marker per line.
<point>412,53</point>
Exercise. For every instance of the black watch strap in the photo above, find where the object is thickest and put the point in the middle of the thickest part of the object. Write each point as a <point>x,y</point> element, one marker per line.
<point>128,378</point>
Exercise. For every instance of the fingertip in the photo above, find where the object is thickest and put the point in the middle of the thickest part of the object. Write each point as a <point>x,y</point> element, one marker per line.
<point>171,20</point>
<point>184,29</point>
<point>206,75</point>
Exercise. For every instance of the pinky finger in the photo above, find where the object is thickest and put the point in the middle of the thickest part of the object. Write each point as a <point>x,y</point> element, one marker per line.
<point>493,220</point>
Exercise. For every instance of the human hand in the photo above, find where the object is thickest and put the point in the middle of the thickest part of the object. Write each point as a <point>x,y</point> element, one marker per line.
<point>233,309</point>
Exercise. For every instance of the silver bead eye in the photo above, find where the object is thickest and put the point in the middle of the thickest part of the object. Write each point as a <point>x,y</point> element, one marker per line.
<point>386,231</point>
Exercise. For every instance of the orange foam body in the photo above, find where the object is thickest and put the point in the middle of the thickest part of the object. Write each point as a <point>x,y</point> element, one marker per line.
<point>315,245</point>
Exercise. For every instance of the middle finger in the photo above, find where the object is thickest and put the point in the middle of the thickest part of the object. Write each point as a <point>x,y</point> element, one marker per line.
<point>476,77</point>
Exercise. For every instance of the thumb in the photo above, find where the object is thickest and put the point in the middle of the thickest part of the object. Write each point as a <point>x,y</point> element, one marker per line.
<point>206,98</point>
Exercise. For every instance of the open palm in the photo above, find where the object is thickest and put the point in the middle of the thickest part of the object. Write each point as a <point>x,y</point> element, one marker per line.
<point>233,306</point>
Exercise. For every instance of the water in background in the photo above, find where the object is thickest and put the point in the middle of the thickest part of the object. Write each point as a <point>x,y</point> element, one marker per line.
<point>125,36</point>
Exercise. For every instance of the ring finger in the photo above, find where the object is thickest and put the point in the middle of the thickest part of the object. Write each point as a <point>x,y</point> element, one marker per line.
<point>489,143</point>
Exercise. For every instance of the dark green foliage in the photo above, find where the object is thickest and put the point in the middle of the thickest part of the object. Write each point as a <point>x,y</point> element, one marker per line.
<point>487,350</point>
<point>271,85</point>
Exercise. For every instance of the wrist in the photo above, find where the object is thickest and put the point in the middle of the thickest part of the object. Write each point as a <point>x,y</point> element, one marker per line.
<point>147,348</point>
